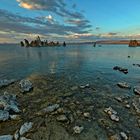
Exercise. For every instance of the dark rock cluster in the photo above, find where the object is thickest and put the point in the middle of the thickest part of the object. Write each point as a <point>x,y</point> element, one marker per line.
<point>39,43</point>
<point>124,70</point>
<point>134,43</point>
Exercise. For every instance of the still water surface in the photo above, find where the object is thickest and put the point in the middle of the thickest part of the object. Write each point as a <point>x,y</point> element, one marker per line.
<point>85,62</point>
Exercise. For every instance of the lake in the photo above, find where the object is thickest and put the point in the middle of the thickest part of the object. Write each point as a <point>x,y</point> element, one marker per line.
<point>59,76</point>
<point>85,61</point>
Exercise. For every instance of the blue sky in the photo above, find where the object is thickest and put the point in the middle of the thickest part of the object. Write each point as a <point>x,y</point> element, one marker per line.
<point>70,20</point>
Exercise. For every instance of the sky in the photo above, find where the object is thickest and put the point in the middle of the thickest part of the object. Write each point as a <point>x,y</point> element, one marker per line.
<point>69,20</point>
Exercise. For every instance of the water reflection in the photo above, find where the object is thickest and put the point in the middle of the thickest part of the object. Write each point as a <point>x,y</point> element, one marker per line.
<point>83,61</point>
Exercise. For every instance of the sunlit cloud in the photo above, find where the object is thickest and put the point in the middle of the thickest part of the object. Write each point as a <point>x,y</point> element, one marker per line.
<point>26,5</point>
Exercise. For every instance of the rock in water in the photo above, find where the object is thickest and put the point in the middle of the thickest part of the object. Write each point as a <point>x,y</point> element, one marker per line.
<point>115,137</point>
<point>15,117</point>
<point>112,114</point>
<point>137,90</point>
<point>25,128</point>
<point>78,129</point>
<point>110,111</point>
<point>86,115</point>
<point>26,86</point>
<point>136,105</point>
<point>6,137</point>
<point>114,117</point>
<point>9,102</point>
<point>85,86</point>
<point>124,136</point>
<point>124,85</point>
<point>6,82</point>
<point>124,70</point>
<point>4,115</point>
<point>23,138</point>
<point>16,135</point>
<point>62,118</point>
<point>51,108</point>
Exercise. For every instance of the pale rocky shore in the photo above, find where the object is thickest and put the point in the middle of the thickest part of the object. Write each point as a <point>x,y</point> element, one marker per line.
<point>54,107</point>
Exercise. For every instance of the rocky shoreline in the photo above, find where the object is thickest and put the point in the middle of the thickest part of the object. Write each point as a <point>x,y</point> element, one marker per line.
<point>52,108</point>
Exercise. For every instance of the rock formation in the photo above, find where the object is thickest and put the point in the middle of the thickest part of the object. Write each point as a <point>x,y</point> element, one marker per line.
<point>39,43</point>
<point>134,43</point>
<point>64,44</point>
<point>22,44</point>
<point>27,44</point>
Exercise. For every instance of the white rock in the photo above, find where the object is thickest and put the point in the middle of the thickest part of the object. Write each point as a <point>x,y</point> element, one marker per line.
<point>114,117</point>
<point>78,129</point>
<point>127,106</point>
<point>124,136</point>
<point>25,128</point>
<point>6,137</point>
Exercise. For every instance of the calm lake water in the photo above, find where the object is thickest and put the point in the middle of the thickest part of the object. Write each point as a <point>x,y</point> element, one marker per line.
<point>69,67</point>
<point>84,62</point>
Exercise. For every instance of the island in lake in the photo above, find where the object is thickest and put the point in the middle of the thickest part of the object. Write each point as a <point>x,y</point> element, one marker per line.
<point>39,43</point>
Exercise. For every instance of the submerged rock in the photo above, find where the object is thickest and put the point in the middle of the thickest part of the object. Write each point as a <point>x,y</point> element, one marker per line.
<point>124,85</point>
<point>71,118</point>
<point>51,108</point>
<point>62,118</point>
<point>6,82</point>
<point>23,138</point>
<point>114,117</point>
<point>136,105</point>
<point>9,102</point>
<point>138,65</point>
<point>137,90</point>
<point>119,99</point>
<point>6,137</point>
<point>85,86</point>
<point>4,115</point>
<point>138,123</point>
<point>25,128</point>
<point>112,114</point>
<point>26,86</point>
<point>78,129</point>
<point>110,111</point>
<point>124,136</point>
<point>16,135</point>
<point>86,115</point>
<point>15,117</point>
<point>115,137</point>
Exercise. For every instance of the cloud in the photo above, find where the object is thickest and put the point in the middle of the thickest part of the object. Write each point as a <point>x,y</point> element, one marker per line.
<point>16,24</point>
<point>97,28</point>
<point>112,33</point>
<point>58,7</point>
